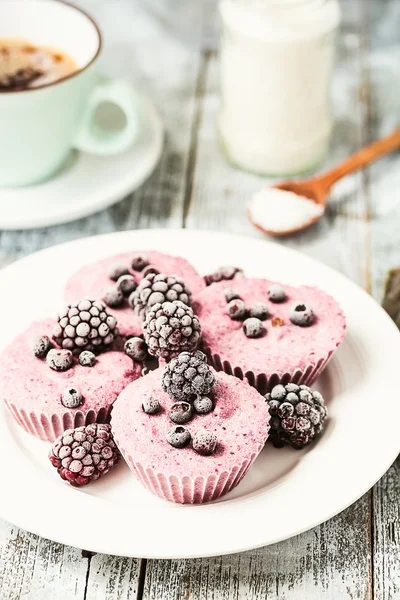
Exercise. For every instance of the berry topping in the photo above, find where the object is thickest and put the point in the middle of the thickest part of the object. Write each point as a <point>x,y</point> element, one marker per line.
<point>113,296</point>
<point>116,271</point>
<point>188,376</point>
<point>259,310</point>
<point>203,405</point>
<point>126,284</point>
<point>253,328</point>
<point>157,288</point>
<point>178,436</point>
<point>71,398</point>
<point>151,406</point>
<point>170,328</point>
<point>41,344</point>
<point>59,360</point>
<point>276,293</point>
<point>297,415</point>
<point>301,314</point>
<point>277,322</point>
<point>139,262</point>
<point>223,273</point>
<point>84,454</point>
<point>181,412</point>
<point>231,294</point>
<point>150,269</point>
<point>85,325</point>
<point>136,349</point>
<point>87,359</point>
<point>236,309</point>
<point>205,442</point>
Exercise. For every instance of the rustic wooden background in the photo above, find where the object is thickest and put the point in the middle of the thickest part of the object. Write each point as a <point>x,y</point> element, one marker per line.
<point>357,553</point>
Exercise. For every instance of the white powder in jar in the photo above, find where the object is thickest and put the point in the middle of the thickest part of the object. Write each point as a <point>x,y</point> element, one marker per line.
<point>279,211</point>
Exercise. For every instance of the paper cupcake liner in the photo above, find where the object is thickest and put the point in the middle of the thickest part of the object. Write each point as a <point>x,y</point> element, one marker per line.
<point>187,489</point>
<point>49,427</point>
<point>264,382</point>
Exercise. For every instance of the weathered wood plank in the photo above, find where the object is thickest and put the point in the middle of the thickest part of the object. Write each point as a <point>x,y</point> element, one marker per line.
<point>113,578</point>
<point>33,567</point>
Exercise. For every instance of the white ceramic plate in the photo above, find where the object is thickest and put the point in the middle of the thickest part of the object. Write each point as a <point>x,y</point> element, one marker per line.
<point>86,183</point>
<point>285,492</point>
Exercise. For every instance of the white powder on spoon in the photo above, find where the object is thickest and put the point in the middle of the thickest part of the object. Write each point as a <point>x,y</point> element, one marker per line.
<point>279,211</point>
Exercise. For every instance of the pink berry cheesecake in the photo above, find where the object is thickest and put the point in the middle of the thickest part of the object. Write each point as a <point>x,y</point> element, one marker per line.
<point>115,278</point>
<point>190,451</point>
<point>48,395</point>
<point>269,333</point>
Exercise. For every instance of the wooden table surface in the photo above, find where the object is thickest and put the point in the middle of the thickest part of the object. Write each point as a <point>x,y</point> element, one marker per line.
<point>357,553</point>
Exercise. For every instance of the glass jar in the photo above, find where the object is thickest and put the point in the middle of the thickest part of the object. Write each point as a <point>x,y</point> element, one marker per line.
<point>276,63</point>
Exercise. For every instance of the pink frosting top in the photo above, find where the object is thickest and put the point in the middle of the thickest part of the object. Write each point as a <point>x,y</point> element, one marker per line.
<point>30,384</point>
<point>92,280</point>
<point>286,347</point>
<point>239,420</point>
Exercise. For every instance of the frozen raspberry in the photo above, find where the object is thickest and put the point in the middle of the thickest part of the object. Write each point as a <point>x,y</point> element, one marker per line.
<point>84,454</point>
<point>41,344</point>
<point>157,288</point>
<point>188,376</point>
<point>223,273</point>
<point>171,328</point>
<point>297,415</point>
<point>85,325</point>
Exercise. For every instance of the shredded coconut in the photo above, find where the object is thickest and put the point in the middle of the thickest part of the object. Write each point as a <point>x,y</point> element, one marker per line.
<point>279,211</point>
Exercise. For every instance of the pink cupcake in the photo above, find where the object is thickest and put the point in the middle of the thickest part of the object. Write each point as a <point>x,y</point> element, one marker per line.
<point>94,280</point>
<point>237,428</point>
<point>302,330</point>
<point>35,394</point>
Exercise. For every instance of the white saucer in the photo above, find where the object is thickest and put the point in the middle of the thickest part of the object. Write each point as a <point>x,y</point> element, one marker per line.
<point>285,492</point>
<point>87,183</point>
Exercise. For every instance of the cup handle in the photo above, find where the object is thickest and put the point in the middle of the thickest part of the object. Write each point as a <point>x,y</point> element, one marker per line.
<point>93,138</point>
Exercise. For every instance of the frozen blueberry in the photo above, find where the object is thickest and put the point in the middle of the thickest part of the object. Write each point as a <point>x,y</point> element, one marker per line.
<point>87,359</point>
<point>41,344</point>
<point>253,328</point>
<point>231,294</point>
<point>150,269</point>
<point>301,314</point>
<point>236,309</point>
<point>136,349</point>
<point>139,262</point>
<point>71,398</point>
<point>126,284</point>
<point>59,360</point>
<point>178,436</point>
<point>180,412</point>
<point>259,310</point>
<point>151,406</point>
<point>116,271</point>
<point>113,297</point>
<point>203,405</point>
<point>276,293</point>
<point>205,442</point>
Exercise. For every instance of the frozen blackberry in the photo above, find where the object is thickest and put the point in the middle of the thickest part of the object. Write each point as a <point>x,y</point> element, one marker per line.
<point>116,271</point>
<point>259,310</point>
<point>297,415</point>
<point>113,297</point>
<point>188,376</point>
<point>84,454</point>
<point>85,325</point>
<point>180,412</point>
<point>59,360</point>
<point>41,344</point>
<point>221,274</point>
<point>126,284</point>
<point>157,288</point>
<point>205,442</point>
<point>276,293</point>
<point>301,314</point>
<point>71,398</point>
<point>178,436</point>
<point>139,262</point>
<point>87,359</point>
<point>136,349</point>
<point>253,328</point>
<point>171,328</point>
<point>236,309</point>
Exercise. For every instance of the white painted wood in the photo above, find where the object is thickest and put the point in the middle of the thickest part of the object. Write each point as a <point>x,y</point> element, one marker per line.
<point>113,578</point>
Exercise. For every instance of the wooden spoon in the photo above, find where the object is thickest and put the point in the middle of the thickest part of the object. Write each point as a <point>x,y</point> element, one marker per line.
<point>317,188</point>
